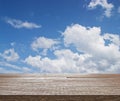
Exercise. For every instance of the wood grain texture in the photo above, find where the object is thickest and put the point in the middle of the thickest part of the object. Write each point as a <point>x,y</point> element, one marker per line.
<point>59,87</point>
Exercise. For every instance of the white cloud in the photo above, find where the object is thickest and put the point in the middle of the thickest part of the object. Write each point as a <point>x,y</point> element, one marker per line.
<point>34,61</point>
<point>43,43</point>
<point>115,68</point>
<point>66,62</point>
<point>114,38</point>
<point>89,40</point>
<point>99,56</point>
<point>45,64</point>
<point>10,55</point>
<point>21,24</point>
<point>104,4</point>
<point>5,64</point>
<point>13,68</point>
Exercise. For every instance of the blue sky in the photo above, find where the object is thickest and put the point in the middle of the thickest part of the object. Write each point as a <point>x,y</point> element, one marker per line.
<point>59,36</point>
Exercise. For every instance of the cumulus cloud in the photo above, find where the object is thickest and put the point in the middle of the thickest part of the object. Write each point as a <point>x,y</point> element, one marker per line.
<point>10,55</point>
<point>43,43</point>
<point>91,41</point>
<point>65,62</point>
<point>100,53</point>
<point>113,38</point>
<point>21,24</point>
<point>96,52</point>
<point>104,4</point>
<point>45,64</point>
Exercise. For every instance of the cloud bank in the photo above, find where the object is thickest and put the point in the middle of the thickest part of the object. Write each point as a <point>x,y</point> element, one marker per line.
<point>96,52</point>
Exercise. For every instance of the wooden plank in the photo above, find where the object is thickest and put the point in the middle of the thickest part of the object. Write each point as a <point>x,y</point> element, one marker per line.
<point>54,86</point>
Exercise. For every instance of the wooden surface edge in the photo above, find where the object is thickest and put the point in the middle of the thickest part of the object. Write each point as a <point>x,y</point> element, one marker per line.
<point>59,97</point>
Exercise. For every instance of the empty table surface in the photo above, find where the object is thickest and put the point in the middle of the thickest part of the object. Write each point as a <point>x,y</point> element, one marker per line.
<point>59,84</point>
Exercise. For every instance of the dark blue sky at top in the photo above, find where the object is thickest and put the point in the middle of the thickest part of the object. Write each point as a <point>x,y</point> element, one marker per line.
<point>53,15</point>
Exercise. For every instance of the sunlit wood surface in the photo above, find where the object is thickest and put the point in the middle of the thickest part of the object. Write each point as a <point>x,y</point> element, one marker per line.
<point>59,84</point>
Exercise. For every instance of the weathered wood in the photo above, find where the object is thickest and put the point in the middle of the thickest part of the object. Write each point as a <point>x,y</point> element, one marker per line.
<point>59,87</point>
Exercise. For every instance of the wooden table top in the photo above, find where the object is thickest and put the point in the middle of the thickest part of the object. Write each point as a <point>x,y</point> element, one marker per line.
<point>59,84</point>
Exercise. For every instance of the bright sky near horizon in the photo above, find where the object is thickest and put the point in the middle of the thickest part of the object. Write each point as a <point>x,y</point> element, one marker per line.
<point>59,36</point>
